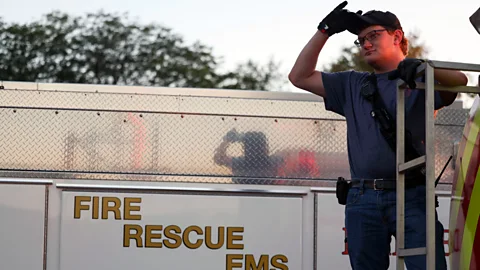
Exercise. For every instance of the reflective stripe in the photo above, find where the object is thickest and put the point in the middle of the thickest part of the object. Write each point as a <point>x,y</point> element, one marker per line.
<point>474,261</point>
<point>465,237</point>
<point>465,169</point>
<point>471,222</point>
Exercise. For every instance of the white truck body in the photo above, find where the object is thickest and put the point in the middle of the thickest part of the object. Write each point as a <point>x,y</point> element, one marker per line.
<point>110,177</point>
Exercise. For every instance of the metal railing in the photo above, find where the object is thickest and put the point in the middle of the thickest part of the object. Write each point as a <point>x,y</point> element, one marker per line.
<point>427,69</point>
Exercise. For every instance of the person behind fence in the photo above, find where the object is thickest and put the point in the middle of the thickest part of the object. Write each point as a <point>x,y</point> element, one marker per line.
<point>368,103</point>
<point>256,160</point>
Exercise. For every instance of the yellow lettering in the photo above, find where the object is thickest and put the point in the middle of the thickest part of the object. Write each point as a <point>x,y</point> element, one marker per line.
<point>128,207</point>
<point>150,235</point>
<point>170,235</point>
<point>127,236</point>
<point>279,261</point>
<point>231,264</point>
<point>78,206</point>
<point>186,239</point>
<point>208,237</point>
<point>251,264</point>
<point>192,237</point>
<point>231,237</point>
<point>95,207</point>
<point>115,208</point>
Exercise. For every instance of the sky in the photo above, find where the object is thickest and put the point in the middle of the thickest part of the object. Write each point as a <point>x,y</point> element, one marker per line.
<point>260,30</point>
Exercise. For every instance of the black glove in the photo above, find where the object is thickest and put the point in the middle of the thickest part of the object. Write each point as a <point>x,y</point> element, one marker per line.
<point>407,70</point>
<point>337,20</point>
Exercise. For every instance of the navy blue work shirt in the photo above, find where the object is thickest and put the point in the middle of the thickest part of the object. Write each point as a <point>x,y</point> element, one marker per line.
<point>369,154</point>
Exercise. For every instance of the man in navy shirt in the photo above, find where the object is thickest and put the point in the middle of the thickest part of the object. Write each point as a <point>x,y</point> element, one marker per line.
<point>370,215</point>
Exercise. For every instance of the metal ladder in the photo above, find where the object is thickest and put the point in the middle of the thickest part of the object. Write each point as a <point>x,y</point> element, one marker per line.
<point>428,159</point>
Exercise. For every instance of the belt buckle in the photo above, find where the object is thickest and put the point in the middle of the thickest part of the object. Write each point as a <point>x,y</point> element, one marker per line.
<point>375,184</point>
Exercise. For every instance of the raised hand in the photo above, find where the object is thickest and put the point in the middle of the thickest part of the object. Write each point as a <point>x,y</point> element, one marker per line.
<point>337,20</point>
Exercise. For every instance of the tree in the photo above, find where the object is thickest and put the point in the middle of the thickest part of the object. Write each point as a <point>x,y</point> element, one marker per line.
<point>251,76</point>
<point>103,48</point>
<point>352,59</point>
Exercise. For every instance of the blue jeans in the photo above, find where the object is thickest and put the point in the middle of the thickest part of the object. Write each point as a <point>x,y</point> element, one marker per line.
<point>370,221</point>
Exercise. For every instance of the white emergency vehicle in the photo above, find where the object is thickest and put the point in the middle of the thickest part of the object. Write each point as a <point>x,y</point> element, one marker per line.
<point>111,177</point>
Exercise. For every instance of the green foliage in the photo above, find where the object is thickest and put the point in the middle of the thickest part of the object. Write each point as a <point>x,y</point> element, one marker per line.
<point>103,48</point>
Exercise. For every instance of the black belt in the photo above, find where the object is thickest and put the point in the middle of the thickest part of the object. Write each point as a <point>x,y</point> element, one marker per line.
<point>382,184</point>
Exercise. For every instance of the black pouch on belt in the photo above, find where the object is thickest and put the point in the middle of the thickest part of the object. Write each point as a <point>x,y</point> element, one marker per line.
<point>342,190</point>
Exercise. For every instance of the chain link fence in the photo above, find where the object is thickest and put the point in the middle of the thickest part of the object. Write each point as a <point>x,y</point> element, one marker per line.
<point>127,136</point>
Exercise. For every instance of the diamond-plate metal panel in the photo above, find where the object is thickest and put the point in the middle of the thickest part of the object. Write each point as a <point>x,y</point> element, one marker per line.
<point>171,144</point>
<point>445,137</point>
<point>124,136</point>
<point>164,103</point>
<point>451,117</point>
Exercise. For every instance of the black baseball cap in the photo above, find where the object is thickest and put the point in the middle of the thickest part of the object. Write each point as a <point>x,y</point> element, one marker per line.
<point>374,17</point>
